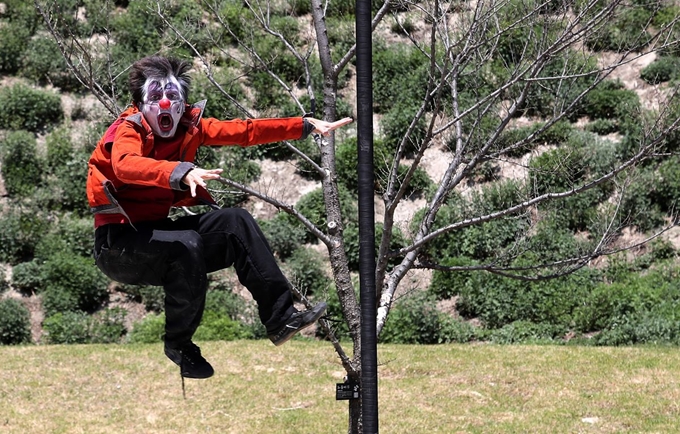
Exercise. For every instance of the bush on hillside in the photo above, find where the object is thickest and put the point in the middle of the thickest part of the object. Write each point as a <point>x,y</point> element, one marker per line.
<point>626,31</point>
<point>24,108</point>
<point>499,301</point>
<point>104,327</point>
<point>21,165</point>
<point>70,236</point>
<point>73,283</point>
<point>15,322</point>
<point>527,332</point>
<point>662,69</point>
<point>26,277</point>
<point>312,206</point>
<point>447,284</point>
<point>13,41</point>
<point>43,63</point>
<point>149,330</point>
<point>416,320</point>
<point>305,270</point>
<point>4,284</point>
<point>21,229</point>
<point>610,100</point>
<point>283,235</point>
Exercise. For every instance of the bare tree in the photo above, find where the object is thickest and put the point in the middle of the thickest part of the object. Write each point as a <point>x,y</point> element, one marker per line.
<point>490,64</point>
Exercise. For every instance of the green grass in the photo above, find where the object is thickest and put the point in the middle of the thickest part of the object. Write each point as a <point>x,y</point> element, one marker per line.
<point>259,388</point>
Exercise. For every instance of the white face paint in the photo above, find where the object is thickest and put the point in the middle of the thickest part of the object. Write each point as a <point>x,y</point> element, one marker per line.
<point>163,105</point>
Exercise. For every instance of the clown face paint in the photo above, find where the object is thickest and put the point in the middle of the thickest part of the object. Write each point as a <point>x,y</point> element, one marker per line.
<point>162,105</point>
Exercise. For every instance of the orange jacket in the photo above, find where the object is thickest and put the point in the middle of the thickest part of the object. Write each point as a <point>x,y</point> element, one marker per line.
<point>126,184</point>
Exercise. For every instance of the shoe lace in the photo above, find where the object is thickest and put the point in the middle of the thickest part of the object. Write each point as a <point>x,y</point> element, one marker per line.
<point>189,353</point>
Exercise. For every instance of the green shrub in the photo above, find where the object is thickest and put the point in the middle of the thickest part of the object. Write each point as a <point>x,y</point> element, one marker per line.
<point>625,31</point>
<point>312,206</point>
<point>21,165</point>
<point>219,105</point>
<point>138,30</point>
<point>216,327</point>
<point>662,69</point>
<point>610,100</point>
<point>27,278</point>
<point>29,109</point>
<point>238,167</point>
<point>73,283</point>
<point>71,236</point>
<point>43,63</point>
<point>66,177</point>
<point>20,230</point>
<point>283,235</point>
<point>510,138</point>
<point>645,328</point>
<point>548,97</point>
<point>527,332</point>
<point>14,38</point>
<point>453,330</point>
<point>107,326</point>
<point>66,328</point>
<point>484,240</point>
<point>638,205</point>
<point>15,322</point>
<point>188,19</point>
<point>631,295</point>
<point>150,330</point>
<point>416,320</point>
<point>229,316</point>
<point>394,72</point>
<point>4,284</point>
<point>305,269</point>
<point>299,7</point>
<point>402,27</point>
<point>223,301</point>
<point>59,147</point>
<point>667,192</point>
<point>499,301</point>
<point>395,126</point>
<point>552,240</point>
<point>446,284</point>
<point>556,170</point>
<point>602,126</point>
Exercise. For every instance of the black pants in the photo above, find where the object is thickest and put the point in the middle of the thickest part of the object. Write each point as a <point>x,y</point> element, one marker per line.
<point>179,254</point>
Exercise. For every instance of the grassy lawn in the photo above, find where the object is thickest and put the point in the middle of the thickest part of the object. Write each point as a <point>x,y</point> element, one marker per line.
<point>258,388</point>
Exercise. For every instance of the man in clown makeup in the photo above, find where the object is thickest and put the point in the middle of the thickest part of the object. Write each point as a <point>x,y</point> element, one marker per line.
<point>144,165</point>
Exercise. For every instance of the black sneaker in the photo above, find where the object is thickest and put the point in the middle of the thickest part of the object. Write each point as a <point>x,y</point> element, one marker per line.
<point>298,321</point>
<point>191,363</point>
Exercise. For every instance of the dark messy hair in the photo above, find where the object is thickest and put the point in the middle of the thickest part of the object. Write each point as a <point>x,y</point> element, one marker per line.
<point>157,67</point>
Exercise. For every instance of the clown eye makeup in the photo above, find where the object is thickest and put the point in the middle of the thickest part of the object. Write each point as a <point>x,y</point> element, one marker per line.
<point>172,92</point>
<point>155,91</point>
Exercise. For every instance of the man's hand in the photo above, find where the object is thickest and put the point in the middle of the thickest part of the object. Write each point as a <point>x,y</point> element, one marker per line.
<point>325,128</point>
<point>198,176</point>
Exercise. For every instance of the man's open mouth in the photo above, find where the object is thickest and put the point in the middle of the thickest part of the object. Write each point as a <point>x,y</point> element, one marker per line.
<point>165,122</point>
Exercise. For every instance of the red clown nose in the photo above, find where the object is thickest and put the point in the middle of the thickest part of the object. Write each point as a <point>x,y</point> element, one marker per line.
<point>164,104</point>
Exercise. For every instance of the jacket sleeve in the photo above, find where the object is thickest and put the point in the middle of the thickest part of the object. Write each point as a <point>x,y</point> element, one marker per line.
<point>131,166</point>
<point>251,132</point>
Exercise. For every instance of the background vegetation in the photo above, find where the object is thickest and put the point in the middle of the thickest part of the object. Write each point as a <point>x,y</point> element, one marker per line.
<point>48,127</point>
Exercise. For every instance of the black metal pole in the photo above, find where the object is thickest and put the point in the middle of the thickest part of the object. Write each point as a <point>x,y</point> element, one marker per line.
<point>369,351</point>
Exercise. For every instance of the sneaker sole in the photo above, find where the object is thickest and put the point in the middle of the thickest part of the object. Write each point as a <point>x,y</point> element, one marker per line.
<point>315,318</point>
